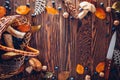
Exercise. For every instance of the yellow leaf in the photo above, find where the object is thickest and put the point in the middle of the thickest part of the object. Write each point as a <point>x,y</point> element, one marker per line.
<point>51,10</point>
<point>2,11</point>
<point>80,69</point>
<point>35,28</point>
<point>23,10</point>
<point>100,67</point>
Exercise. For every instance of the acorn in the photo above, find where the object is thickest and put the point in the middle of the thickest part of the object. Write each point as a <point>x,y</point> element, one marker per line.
<point>116,22</point>
<point>87,77</point>
<point>108,9</point>
<point>101,74</point>
<point>65,14</point>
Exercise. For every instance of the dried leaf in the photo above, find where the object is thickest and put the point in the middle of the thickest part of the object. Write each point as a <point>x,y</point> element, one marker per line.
<point>63,75</point>
<point>2,11</point>
<point>9,55</point>
<point>116,6</point>
<point>39,6</point>
<point>23,10</point>
<point>80,69</point>
<point>48,75</point>
<point>35,28</point>
<point>100,67</point>
<point>100,13</point>
<point>51,10</point>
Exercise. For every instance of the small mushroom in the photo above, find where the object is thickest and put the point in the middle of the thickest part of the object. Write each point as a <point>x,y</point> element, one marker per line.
<point>116,22</point>
<point>65,14</point>
<point>108,9</point>
<point>36,64</point>
<point>101,74</point>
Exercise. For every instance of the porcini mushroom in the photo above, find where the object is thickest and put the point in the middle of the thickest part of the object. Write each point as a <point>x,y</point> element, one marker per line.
<point>15,33</point>
<point>86,6</point>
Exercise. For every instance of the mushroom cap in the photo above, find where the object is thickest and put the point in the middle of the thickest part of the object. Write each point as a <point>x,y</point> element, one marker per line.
<point>87,6</point>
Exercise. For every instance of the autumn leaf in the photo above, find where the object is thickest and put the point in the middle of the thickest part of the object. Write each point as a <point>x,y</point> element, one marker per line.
<point>2,11</point>
<point>100,67</point>
<point>23,10</point>
<point>100,13</point>
<point>80,69</point>
<point>51,10</point>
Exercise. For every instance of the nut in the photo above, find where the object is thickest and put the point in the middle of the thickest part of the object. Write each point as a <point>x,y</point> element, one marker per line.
<point>116,22</point>
<point>44,68</point>
<point>101,74</point>
<point>87,77</point>
<point>108,9</point>
<point>65,15</point>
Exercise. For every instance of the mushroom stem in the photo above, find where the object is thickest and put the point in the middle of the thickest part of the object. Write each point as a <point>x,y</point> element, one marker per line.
<point>15,33</point>
<point>82,14</point>
<point>8,40</point>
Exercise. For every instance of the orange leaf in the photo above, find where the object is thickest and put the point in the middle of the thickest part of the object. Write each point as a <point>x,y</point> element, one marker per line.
<point>23,10</point>
<point>100,13</point>
<point>2,11</point>
<point>80,69</point>
<point>24,28</point>
<point>51,10</point>
<point>100,67</point>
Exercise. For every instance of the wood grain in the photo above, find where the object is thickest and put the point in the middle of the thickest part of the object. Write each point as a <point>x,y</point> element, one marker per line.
<point>63,44</point>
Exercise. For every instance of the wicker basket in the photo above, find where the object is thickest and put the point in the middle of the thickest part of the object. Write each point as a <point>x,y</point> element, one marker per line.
<point>10,67</point>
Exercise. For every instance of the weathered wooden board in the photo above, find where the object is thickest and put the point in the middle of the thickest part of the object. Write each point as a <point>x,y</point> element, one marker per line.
<point>62,45</point>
